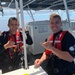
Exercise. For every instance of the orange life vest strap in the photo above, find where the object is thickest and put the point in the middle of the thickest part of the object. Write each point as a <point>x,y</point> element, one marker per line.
<point>18,42</point>
<point>58,45</point>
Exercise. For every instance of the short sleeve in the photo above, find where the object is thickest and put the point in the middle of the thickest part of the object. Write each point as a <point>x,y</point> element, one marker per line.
<point>68,43</point>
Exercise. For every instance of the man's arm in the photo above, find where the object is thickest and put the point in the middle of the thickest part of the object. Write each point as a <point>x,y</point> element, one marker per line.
<point>65,55</point>
<point>38,62</point>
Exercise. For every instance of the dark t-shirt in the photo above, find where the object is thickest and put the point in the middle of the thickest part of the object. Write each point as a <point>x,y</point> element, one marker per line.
<point>68,44</point>
<point>55,63</point>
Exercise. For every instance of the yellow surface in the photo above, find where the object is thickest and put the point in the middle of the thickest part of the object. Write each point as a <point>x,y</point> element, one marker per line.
<point>25,74</point>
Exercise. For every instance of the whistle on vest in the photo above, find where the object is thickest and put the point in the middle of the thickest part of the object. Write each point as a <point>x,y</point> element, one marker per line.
<point>14,50</point>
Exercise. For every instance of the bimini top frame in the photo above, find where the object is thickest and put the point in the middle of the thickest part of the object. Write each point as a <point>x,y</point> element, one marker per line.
<point>37,5</point>
<point>40,4</point>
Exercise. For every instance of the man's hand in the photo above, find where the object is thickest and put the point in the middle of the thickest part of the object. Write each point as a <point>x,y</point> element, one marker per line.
<point>47,45</point>
<point>9,44</point>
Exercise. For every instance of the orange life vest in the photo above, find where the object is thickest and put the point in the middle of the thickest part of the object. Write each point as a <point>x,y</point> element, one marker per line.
<point>57,42</point>
<point>18,43</point>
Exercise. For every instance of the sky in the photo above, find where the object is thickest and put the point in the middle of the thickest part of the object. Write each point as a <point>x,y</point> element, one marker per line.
<point>38,15</point>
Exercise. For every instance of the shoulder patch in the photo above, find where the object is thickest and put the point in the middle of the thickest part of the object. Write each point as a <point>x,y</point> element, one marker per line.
<point>71,48</point>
